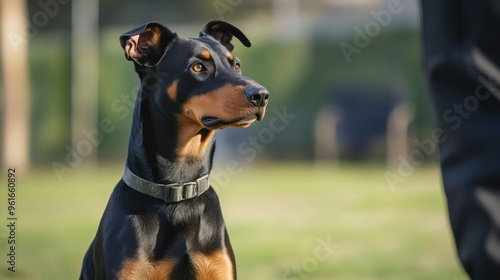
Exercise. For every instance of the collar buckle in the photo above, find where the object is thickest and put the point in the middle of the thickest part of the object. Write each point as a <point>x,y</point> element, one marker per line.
<point>170,193</point>
<point>178,192</point>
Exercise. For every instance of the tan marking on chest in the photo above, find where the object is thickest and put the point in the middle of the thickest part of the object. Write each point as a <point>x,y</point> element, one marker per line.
<point>134,269</point>
<point>216,266</point>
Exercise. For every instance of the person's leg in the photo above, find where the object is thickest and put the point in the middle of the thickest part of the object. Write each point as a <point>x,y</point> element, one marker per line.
<point>462,51</point>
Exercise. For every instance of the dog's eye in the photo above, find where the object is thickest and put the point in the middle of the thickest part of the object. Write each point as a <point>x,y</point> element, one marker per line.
<point>237,67</point>
<point>198,67</point>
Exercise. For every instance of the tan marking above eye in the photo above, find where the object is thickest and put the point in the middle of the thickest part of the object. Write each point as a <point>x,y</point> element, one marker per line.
<point>230,56</point>
<point>205,54</point>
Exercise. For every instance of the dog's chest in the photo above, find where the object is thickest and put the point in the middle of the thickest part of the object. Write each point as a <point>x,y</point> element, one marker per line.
<point>214,266</point>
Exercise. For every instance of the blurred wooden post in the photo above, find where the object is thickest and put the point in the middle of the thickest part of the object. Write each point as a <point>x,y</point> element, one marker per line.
<point>85,78</point>
<point>397,134</point>
<point>16,104</point>
<point>325,131</point>
<point>286,18</point>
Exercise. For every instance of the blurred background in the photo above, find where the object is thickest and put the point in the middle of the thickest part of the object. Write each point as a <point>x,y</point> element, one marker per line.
<point>339,153</point>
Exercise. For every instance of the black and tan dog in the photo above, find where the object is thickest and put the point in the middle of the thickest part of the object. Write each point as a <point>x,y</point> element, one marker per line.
<point>163,220</point>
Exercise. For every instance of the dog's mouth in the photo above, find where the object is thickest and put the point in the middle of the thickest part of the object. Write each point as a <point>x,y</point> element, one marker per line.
<point>211,122</point>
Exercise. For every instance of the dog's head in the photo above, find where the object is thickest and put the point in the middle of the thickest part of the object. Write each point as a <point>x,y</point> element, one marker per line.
<point>197,79</point>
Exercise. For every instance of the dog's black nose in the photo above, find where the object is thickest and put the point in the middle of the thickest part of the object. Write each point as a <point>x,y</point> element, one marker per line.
<point>257,95</point>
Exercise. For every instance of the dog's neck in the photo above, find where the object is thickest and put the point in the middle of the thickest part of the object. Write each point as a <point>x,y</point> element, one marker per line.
<point>166,148</point>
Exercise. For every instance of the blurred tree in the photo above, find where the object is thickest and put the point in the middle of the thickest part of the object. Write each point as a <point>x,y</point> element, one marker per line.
<point>84,78</point>
<point>16,83</point>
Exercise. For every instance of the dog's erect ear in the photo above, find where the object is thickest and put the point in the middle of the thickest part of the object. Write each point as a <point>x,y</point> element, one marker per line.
<point>224,32</point>
<point>146,44</point>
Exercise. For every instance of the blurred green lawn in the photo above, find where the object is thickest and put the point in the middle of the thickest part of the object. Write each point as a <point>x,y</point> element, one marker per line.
<point>279,217</point>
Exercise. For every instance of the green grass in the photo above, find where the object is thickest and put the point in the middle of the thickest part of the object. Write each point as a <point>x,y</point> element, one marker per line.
<point>278,217</point>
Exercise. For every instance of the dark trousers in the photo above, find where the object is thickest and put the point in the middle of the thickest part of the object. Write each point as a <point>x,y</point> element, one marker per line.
<point>461,40</point>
